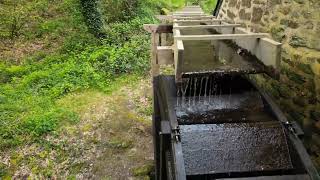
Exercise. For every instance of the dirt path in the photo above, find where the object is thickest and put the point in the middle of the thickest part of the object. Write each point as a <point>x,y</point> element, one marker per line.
<point>112,140</point>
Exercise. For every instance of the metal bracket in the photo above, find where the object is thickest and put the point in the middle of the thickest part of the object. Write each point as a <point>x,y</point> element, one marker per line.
<point>176,134</point>
<point>294,128</point>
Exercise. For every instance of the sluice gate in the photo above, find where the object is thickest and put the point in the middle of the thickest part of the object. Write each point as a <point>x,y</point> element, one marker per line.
<point>211,120</point>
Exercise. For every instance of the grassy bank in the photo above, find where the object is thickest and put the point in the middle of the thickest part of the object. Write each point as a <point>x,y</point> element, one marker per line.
<point>57,59</point>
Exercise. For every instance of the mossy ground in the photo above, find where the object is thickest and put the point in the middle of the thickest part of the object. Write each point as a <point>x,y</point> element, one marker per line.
<point>112,140</point>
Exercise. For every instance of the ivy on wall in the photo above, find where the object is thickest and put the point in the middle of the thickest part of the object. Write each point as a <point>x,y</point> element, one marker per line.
<point>93,17</point>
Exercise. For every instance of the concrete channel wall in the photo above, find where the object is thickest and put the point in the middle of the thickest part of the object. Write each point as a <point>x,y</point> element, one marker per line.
<point>295,23</point>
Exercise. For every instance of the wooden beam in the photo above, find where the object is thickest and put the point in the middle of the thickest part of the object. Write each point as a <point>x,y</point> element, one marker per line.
<point>165,55</point>
<point>192,17</point>
<point>203,21</point>
<point>188,13</point>
<point>207,26</point>
<point>178,54</point>
<point>220,37</point>
<point>155,28</point>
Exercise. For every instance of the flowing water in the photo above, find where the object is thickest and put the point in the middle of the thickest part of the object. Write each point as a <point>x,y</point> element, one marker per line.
<point>224,124</point>
<point>225,127</point>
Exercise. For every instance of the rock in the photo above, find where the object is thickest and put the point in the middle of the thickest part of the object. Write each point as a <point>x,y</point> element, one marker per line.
<point>232,3</point>
<point>259,2</point>
<point>256,14</point>
<point>289,23</point>
<point>285,10</point>
<point>238,5</point>
<point>297,41</point>
<point>243,15</point>
<point>230,14</point>
<point>246,3</point>
<point>272,3</point>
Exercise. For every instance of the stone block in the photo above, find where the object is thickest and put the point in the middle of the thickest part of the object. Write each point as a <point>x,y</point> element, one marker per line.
<point>257,13</point>
<point>246,3</point>
<point>289,23</point>
<point>259,2</point>
<point>230,14</point>
<point>278,33</point>
<point>233,3</point>
<point>243,15</point>
<point>272,3</point>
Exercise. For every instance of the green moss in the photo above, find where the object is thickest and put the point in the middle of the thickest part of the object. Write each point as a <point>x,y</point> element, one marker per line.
<point>143,170</point>
<point>315,115</point>
<point>278,33</point>
<point>296,77</point>
<point>297,41</point>
<point>306,68</point>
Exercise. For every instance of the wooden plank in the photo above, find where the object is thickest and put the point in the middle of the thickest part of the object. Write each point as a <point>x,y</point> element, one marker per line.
<point>165,55</point>
<point>207,26</point>
<point>155,68</point>
<point>178,54</point>
<point>200,21</point>
<point>155,28</point>
<point>219,37</point>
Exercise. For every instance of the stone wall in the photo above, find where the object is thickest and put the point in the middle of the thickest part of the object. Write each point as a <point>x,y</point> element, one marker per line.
<point>295,23</point>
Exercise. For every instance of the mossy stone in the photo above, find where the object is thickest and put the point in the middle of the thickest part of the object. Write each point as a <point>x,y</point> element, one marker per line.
<point>256,14</point>
<point>278,33</point>
<point>297,41</point>
<point>289,23</point>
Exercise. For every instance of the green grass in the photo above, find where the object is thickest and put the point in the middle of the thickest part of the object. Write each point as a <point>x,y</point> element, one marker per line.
<point>30,91</point>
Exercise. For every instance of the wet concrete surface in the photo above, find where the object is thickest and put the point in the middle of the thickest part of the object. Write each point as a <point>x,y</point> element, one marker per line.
<point>234,147</point>
<point>210,57</point>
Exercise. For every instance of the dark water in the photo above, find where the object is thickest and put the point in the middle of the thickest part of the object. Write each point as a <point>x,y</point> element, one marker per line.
<point>226,128</point>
